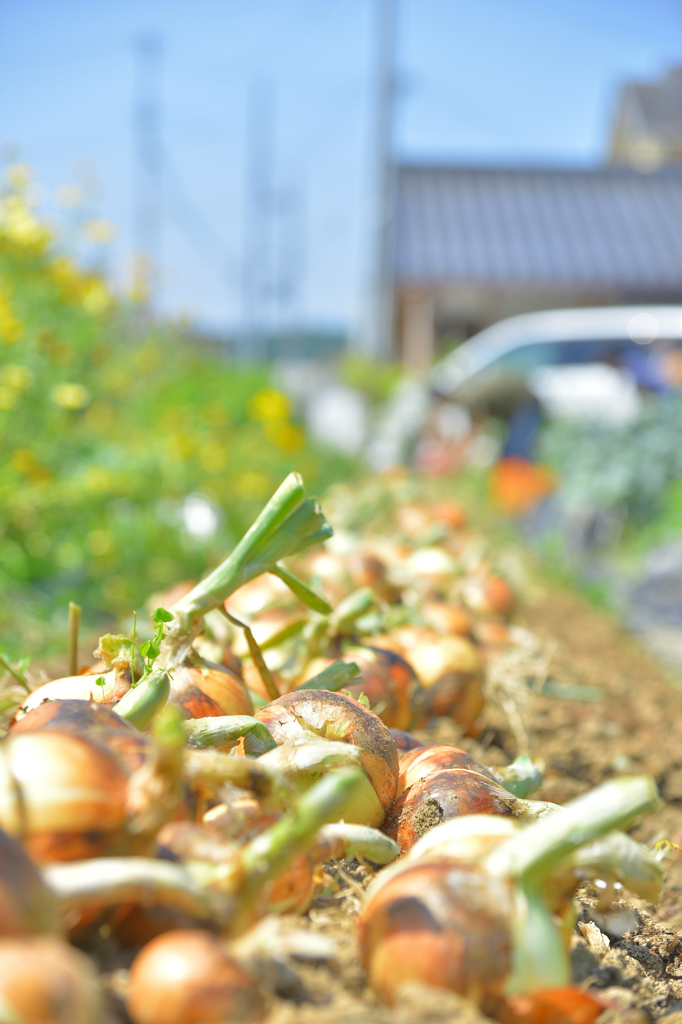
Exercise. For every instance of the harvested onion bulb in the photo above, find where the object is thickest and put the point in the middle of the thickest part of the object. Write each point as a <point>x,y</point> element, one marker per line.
<point>83,687</point>
<point>63,795</point>
<point>391,685</point>
<point>203,691</point>
<point>26,903</point>
<point>186,977</point>
<point>45,981</point>
<point>441,795</point>
<point>310,715</point>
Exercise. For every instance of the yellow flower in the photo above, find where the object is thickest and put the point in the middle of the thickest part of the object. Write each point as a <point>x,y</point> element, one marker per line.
<point>286,436</point>
<point>25,461</point>
<point>96,297</point>
<point>66,277</point>
<point>15,376</point>
<point>70,396</point>
<point>269,404</point>
<point>18,175</point>
<point>98,479</point>
<point>20,225</point>
<point>179,447</point>
<point>11,328</point>
<point>101,416</point>
<point>8,398</point>
<point>252,485</point>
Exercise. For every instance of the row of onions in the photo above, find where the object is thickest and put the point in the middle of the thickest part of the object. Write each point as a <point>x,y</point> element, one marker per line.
<point>177,791</point>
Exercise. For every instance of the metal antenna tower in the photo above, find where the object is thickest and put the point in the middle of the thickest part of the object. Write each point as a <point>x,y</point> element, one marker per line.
<point>148,171</point>
<point>378,337</point>
<point>258,284</point>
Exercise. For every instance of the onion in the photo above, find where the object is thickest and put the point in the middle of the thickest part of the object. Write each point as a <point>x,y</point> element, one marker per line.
<point>450,926</point>
<point>83,718</point>
<point>417,764</point>
<point>467,839</point>
<point>412,519</point>
<point>492,925</point>
<point>82,687</point>
<point>391,685</point>
<point>438,923</point>
<point>367,570</point>
<point>444,794</point>
<point>240,817</point>
<point>459,696</point>
<point>405,741</point>
<point>204,691</point>
<point>64,796</point>
<point>447,618</point>
<point>74,716</point>
<point>309,715</point>
<point>489,595</point>
<point>432,655</point>
<point>26,904</point>
<point>45,981</point>
<point>450,512</point>
<point>492,633</point>
<point>449,667</point>
<point>187,977</point>
<point>564,1005</point>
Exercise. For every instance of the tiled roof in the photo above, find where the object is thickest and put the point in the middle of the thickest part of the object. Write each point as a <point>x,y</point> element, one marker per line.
<point>603,228</point>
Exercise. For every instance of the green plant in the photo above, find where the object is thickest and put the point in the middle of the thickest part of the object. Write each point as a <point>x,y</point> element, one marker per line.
<point>130,456</point>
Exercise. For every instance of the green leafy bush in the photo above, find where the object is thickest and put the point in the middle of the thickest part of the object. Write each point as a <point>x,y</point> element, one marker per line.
<point>601,466</point>
<point>130,458</point>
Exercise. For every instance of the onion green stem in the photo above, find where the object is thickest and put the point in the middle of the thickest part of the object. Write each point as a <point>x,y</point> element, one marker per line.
<point>214,768</point>
<point>107,881</point>
<point>72,633</point>
<point>289,523</point>
<point>341,839</point>
<point>264,857</point>
<point>142,702</point>
<point>226,731</point>
<point>537,850</point>
<point>334,677</point>
<point>256,655</point>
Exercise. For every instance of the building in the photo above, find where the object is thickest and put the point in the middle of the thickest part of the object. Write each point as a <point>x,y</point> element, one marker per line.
<point>647,128</point>
<point>474,245</point>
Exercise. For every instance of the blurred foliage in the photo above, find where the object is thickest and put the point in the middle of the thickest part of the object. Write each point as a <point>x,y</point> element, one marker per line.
<point>373,379</point>
<point>634,466</point>
<point>130,459</point>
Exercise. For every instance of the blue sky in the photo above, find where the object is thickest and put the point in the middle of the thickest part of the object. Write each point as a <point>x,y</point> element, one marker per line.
<point>494,81</point>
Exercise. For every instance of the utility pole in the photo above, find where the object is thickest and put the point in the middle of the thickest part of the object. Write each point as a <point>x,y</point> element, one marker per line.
<point>148,170</point>
<point>290,259</point>
<point>377,339</point>
<point>258,279</point>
